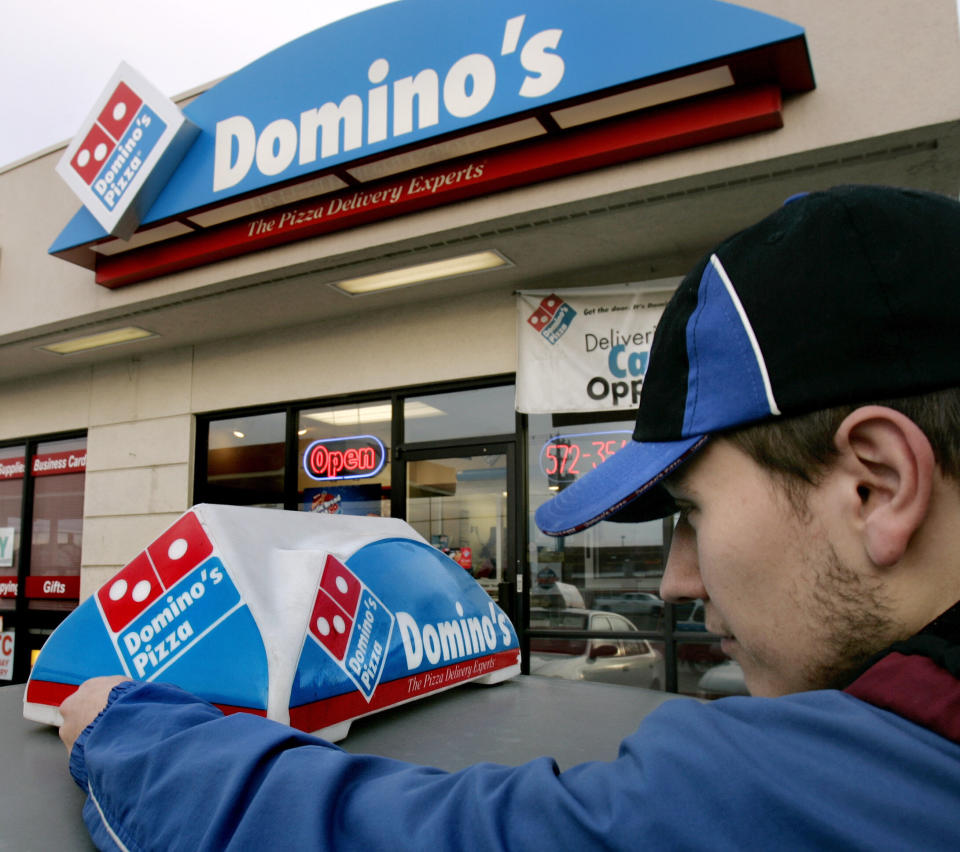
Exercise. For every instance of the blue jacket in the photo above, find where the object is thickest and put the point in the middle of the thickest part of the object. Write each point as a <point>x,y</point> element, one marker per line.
<point>818,770</point>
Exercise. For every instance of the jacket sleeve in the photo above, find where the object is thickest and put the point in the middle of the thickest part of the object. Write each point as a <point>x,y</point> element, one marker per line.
<point>164,770</point>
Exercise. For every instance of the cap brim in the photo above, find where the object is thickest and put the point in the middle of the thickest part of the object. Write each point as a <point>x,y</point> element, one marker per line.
<point>625,481</point>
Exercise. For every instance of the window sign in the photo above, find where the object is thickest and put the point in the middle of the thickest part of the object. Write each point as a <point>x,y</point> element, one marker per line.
<point>586,349</point>
<point>12,468</point>
<point>62,586</point>
<point>344,459</point>
<point>567,457</point>
<point>354,457</point>
<point>53,464</point>
<point>6,546</point>
<point>6,655</point>
<point>13,472</point>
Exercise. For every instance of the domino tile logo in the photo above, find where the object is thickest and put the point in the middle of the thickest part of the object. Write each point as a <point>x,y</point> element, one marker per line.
<point>120,140</point>
<point>552,318</point>
<point>167,599</point>
<point>107,131</point>
<point>352,625</point>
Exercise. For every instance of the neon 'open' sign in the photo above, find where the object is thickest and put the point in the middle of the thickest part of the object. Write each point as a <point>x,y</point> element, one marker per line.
<point>355,457</point>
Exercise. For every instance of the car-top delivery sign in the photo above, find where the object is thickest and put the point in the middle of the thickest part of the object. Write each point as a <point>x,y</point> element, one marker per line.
<point>308,618</point>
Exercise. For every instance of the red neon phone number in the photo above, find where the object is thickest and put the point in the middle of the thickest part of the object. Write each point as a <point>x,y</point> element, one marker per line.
<point>564,458</point>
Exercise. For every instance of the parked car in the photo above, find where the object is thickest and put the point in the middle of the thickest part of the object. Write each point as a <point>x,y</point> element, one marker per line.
<point>634,662</point>
<point>722,680</point>
<point>630,603</point>
<point>693,620</point>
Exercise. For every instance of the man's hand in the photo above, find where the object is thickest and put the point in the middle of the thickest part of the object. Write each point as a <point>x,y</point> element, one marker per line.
<point>81,708</point>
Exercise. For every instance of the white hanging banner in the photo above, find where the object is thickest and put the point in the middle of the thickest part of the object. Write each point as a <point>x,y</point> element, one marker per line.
<point>586,349</point>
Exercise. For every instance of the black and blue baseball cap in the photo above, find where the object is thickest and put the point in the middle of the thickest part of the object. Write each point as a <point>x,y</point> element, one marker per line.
<point>839,297</point>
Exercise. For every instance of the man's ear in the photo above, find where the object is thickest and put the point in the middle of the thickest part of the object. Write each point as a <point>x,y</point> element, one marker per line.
<point>888,459</point>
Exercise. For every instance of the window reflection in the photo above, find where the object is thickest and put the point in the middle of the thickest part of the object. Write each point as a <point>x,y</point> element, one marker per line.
<point>459,414</point>
<point>245,458</point>
<point>57,536</point>
<point>610,575</point>
<point>609,567</point>
<point>599,659</point>
<point>722,680</point>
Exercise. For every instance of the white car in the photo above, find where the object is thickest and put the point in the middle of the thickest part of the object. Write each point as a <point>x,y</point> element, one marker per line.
<point>630,603</point>
<point>725,679</point>
<point>633,662</point>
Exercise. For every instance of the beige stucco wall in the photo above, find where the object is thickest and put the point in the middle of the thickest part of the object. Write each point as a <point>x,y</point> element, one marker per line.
<point>138,412</point>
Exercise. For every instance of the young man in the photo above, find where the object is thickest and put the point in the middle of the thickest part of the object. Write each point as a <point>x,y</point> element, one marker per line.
<point>799,414</point>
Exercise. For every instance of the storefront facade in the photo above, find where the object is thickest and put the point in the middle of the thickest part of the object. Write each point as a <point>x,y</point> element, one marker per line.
<point>260,383</point>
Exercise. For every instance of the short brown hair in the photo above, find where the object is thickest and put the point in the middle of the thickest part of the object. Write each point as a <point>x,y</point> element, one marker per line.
<point>800,449</point>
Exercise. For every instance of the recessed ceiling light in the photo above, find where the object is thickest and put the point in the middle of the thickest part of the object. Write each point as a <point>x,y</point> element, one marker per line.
<point>238,434</point>
<point>98,341</point>
<point>423,272</point>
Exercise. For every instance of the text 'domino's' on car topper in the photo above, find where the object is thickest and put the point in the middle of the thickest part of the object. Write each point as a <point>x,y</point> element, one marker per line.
<point>311,620</point>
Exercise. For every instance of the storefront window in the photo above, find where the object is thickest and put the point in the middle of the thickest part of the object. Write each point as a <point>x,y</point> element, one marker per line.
<point>459,505</point>
<point>58,469</point>
<point>606,580</point>
<point>344,459</point>
<point>245,460</point>
<point>459,414</point>
<point>12,469</point>
<point>609,567</point>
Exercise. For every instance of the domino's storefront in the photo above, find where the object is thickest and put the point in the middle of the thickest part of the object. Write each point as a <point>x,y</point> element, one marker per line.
<point>321,284</point>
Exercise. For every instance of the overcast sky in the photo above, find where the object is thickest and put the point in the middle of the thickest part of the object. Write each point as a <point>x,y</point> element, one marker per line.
<point>56,56</point>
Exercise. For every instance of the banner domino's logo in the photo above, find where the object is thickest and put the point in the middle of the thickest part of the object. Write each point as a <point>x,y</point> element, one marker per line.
<point>167,599</point>
<point>552,318</point>
<point>352,625</point>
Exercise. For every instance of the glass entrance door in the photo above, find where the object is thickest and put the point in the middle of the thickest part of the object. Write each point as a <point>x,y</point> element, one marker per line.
<point>460,501</point>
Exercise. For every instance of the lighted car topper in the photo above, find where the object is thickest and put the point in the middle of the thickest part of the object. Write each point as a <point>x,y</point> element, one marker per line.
<point>310,619</point>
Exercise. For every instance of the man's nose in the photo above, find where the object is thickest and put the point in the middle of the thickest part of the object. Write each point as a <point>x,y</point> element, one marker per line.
<point>681,577</point>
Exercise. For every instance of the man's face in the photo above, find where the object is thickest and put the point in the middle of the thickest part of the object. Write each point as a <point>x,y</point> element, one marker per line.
<point>791,611</point>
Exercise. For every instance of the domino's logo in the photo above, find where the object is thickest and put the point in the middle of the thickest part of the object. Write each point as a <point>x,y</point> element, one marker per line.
<point>167,599</point>
<point>352,625</point>
<point>552,318</point>
<point>117,145</point>
<point>125,151</point>
<point>174,623</point>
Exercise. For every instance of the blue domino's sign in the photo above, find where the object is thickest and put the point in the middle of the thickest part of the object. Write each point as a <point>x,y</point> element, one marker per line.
<point>413,70</point>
